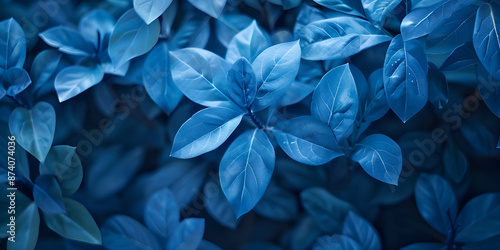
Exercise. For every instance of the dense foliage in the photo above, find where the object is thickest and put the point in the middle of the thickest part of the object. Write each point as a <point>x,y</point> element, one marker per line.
<point>250,124</point>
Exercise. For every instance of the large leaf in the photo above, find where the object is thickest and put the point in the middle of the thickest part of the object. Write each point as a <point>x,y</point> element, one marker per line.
<point>335,101</point>
<point>436,202</point>
<point>211,7</point>
<point>248,43</point>
<point>150,10</point>
<point>378,10</point>
<point>34,129</point>
<point>68,41</point>
<point>246,169</point>
<point>338,38</point>
<point>307,140</point>
<point>64,163</point>
<point>122,232</point>
<point>486,37</point>
<point>12,45</point>
<point>405,77</point>
<point>204,132</point>
<point>241,83</point>
<point>76,223</point>
<point>380,157</point>
<point>479,219</point>
<point>73,80</point>
<point>361,231</point>
<point>162,213</point>
<point>275,69</point>
<point>351,7</point>
<point>201,76</point>
<point>157,79</point>
<point>131,38</point>
<point>187,235</point>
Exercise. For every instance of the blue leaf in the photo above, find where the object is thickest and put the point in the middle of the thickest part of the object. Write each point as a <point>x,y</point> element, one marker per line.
<point>489,89</point>
<point>335,101</point>
<point>161,213</point>
<point>351,7</point>
<point>425,3</point>
<point>327,210</point>
<point>211,7</point>
<point>308,141</point>
<point>122,232</point>
<point>454,32</point>
<point>64,163</point>
<point>380,157</point>
<point>48,195</point>
<point>167,19</point>
<point>96,26</point>
<point>378,10</point>
<point>241,83</point>
<point>297,177</point>
<point>278,204</point>
<point>194,32</point>
<point>157,79</point>
<point>436,202</point>
<point>455,162</point>
<point>296,93</point>
<point>76,223</point>
<point>423,21</point>
<point>335,242</point>
<point>131,38</point>
<point>150,10</point>
<point>246,169</point>
<point>405,77</point>
<point>248,43</point>
<point>73,80</point>
<point>43,68</point>
<point>275,69</point>
<point>438,87</point>
<point>12,45</point>
<point>201,76</point>
<point>187,235</point>
<point>68,41</point>
<point>461,57</point>
<point>15,80</point>
<point>486,37</point>
<point>339,38</point>
<point>27,228</point>
<point>479,219</point>
<point>204,132</point>
<point>34,129</point>
<point>376,105</point>
<point>425,245</point>
<point>230,24</point>
<point>218,206</point>
<point>361,231</point>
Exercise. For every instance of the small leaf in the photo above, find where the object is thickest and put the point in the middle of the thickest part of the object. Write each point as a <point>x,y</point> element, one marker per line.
<point>162,213</point>
<point>218,206</point>
<point>201,76</point>
<point>230,24</point>
<point>308,141</point>
<point>204,132</point>
<point>378,10</point>
<point>150,10</point>
<point>241,83</point>
<point>479,219</point>
<point>405,77</point>
<point>380,157</point>
<point>64,163</point>
<point>188,234</point>
<point>15,80</point>
<point>211,7</point>
<point>48,195</point>
<point>436,202</point>
<point>275,69</point>
<point>248,43</point>
<point>12,45</point>
<point>43,68</point>
<point>486,37</point>
<point>131,38</point>
<point>34,129</point>
<point>335,101</point>
<point>76,223</point>
<point>246,169</point>
<point>68,41</point>
<point>73,80</point>
<point>122,232</point>
<point>361,231</point>
<point>96,26</point>
<point>455,162</point>
<point>338,38</point>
